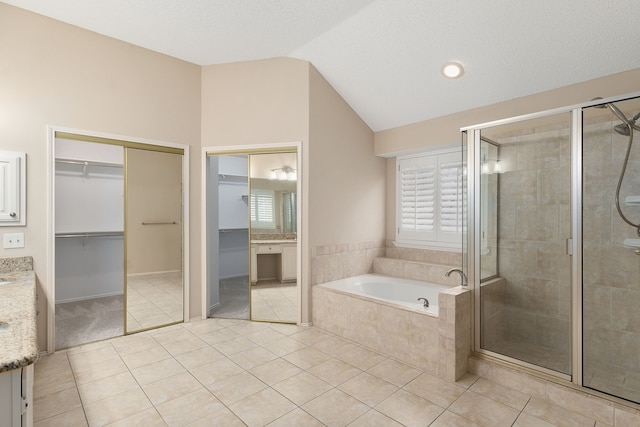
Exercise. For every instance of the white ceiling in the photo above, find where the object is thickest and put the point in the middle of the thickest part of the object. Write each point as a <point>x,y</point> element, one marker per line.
<point>384,56</point>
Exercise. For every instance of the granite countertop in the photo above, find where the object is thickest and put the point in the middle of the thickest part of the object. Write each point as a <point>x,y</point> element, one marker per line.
<point>18,340</point>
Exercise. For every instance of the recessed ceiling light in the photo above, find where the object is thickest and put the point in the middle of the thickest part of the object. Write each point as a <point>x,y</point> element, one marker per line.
<point>452,70</point>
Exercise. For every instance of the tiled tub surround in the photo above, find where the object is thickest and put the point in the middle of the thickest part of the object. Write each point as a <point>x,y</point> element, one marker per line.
<point>334,262</point>
<point>437,344</point>
<point>18,340</point>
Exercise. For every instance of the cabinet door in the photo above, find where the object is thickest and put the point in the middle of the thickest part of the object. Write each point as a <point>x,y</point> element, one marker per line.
<point>11,398</point>
<point>12,188</point>
<point>289,262</point>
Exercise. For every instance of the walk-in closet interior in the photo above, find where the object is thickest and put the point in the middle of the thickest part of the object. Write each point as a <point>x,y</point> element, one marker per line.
<point>118,238</point>
<point>252,241</point>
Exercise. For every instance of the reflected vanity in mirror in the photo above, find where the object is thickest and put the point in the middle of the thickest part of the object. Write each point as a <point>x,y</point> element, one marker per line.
<point>273,238</point>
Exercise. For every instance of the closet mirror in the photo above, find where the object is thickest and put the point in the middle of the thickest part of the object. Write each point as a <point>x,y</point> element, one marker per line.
<point>154,239</point>
<point>252,236</point>
<point>272,210</point>
<point>118,238</point>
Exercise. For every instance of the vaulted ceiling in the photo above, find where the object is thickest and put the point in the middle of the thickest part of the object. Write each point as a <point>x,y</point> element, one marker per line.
<point>385,56</point>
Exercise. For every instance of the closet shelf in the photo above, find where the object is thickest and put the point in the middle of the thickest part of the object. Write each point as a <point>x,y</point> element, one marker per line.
<point>89,234</point>
<point>88,163</point>
<point>632,200</point>
<point>232,179</point>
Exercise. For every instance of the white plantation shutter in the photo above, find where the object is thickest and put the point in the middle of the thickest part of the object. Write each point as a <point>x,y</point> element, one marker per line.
<point>262,209</point>
<point>429,206</point>
<point>450,209</point>
<point>418,191</point>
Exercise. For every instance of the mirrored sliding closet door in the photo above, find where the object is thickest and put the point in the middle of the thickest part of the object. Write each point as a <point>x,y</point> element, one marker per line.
<point>118,238</point>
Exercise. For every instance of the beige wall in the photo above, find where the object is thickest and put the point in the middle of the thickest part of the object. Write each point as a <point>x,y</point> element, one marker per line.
<point>346,188</point>
<point>256,102</point>
<point>445,130</point>
<point>346,179</point>
<point>52,73</point>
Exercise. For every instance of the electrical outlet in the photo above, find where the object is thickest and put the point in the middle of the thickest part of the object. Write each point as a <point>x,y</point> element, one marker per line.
<point>13,240</point>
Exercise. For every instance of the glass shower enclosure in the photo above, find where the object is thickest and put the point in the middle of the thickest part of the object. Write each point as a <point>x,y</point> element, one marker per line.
<point>553,244</point>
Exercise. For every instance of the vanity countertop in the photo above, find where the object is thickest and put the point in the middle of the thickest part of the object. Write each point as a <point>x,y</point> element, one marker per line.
<point>272,242</point>
<point>18,340</point>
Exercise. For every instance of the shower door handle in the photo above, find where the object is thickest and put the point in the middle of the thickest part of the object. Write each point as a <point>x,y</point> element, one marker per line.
<point>569,247</point>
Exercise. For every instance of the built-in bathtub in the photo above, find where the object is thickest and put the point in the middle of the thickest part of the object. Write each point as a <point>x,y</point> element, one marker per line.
<point>382,313</point>
<point>395,291</point>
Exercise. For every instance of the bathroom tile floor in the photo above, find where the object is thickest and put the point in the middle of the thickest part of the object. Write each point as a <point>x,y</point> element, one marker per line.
<point>228,372</point>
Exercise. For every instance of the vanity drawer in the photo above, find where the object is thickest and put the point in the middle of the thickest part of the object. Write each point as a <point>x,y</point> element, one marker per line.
<point>269,249</point>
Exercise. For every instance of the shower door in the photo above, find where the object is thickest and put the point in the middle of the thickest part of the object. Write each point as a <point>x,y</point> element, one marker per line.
<point>611,265</point>
<point>525,223</point>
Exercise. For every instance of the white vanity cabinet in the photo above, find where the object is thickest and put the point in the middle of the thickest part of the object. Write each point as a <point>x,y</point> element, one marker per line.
<point>285,259</point>
<point>288,262</point>
<point>16,397</point>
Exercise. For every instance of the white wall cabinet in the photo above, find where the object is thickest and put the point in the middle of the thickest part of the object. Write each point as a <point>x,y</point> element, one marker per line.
<point>12,188</point>
<point>16,397</point>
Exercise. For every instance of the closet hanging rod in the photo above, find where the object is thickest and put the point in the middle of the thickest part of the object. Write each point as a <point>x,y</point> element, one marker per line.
<point>90,234</point>
<point>159,223</point>
<point>89,163</point>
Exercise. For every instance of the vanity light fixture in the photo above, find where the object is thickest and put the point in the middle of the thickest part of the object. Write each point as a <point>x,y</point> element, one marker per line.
<point>284,173</point>
<point>452,70</point>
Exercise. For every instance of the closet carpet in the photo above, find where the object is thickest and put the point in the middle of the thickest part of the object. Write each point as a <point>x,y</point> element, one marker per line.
<point>89,320</point>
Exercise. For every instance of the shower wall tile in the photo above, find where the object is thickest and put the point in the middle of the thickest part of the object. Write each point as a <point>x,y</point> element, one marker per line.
<point>554,185</point>
<point>537,223</point>
<point>596,303</point>
<point>520,326</point>
<point>627,310</point>
<point>519,188</point>
<point>553,261</point>
<point>620,267</point>
<point>554,333</point>
<point>492,303</point>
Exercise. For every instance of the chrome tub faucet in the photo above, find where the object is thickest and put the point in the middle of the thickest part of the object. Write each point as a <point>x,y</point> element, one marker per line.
<point>463,277</point>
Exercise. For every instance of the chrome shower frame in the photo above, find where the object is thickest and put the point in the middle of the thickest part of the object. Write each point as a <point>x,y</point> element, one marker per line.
<point>471,140</point>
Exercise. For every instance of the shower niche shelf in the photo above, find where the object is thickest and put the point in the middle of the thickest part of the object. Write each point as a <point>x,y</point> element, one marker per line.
<point>632,243</point>
<point>632,201</point>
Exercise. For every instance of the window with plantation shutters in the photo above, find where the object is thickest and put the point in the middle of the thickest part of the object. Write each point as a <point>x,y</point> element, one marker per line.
<point>430,198</point>
<point>262,209</point>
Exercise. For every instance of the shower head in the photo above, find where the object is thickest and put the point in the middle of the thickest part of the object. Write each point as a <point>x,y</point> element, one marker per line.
<point>627,125</point>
